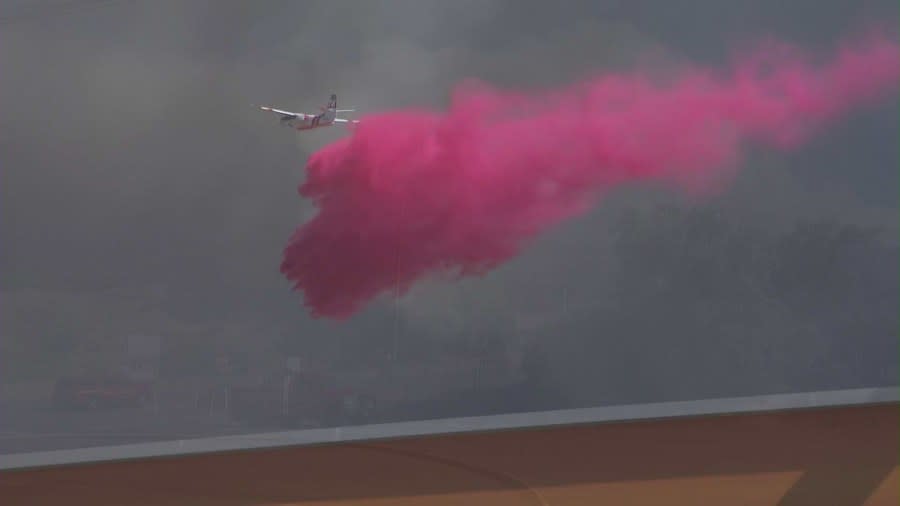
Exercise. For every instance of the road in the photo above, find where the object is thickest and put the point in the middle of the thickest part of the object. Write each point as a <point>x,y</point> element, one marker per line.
<point>33,425</point>
<point>826,456</point>
<point>30,426</point>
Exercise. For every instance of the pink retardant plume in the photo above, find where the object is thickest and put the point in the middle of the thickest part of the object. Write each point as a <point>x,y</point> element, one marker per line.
<point>412,193</point>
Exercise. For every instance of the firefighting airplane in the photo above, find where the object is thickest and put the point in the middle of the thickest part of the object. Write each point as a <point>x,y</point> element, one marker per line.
<point>302,121</point>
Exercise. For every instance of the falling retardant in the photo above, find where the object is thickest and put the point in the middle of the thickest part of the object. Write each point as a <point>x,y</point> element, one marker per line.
<point>412,193</point>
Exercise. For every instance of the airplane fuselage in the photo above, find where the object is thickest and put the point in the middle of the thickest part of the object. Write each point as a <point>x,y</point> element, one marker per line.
<point>303,121</point>
<point>309,121</point>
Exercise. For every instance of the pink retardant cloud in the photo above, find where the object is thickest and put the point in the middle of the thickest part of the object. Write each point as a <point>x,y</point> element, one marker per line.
<point>414,192</point>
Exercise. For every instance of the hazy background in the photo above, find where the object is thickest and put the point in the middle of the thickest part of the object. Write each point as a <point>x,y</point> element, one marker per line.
<point>144,193</point>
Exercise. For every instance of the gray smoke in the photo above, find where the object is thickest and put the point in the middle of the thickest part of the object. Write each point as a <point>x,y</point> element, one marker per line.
<point>143,192</point>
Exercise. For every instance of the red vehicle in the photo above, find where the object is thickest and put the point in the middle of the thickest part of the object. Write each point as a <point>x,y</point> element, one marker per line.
<point>102,390</point>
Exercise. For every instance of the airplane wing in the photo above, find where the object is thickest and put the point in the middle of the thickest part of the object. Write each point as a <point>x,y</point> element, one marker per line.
<point>285,114</point>
<point>341,120</point>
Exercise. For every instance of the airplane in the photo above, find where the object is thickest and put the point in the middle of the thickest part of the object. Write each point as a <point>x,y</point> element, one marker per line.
<point>303,121</point>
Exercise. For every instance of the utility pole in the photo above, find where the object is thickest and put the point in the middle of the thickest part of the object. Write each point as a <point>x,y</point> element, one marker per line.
<point>396,325</point>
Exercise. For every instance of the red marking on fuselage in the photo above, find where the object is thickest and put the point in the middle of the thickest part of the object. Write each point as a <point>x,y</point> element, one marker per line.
<point>314,123</point>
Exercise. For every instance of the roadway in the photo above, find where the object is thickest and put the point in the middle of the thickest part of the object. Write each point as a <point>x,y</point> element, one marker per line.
<point>839,456</point>
<point>33,425</point>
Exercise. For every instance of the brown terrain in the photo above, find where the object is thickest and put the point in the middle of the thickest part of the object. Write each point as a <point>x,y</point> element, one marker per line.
<point>823,457</point>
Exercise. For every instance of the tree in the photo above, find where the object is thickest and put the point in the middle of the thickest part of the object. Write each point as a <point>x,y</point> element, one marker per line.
<point>711,305</point>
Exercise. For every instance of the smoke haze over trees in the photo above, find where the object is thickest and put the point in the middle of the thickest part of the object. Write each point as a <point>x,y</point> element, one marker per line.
<point>142,192</point>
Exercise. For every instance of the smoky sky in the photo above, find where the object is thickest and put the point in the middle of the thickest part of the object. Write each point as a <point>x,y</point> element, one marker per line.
<point>136,166</point>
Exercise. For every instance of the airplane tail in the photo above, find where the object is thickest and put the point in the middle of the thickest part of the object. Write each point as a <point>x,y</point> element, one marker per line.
<point>332,105</point>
